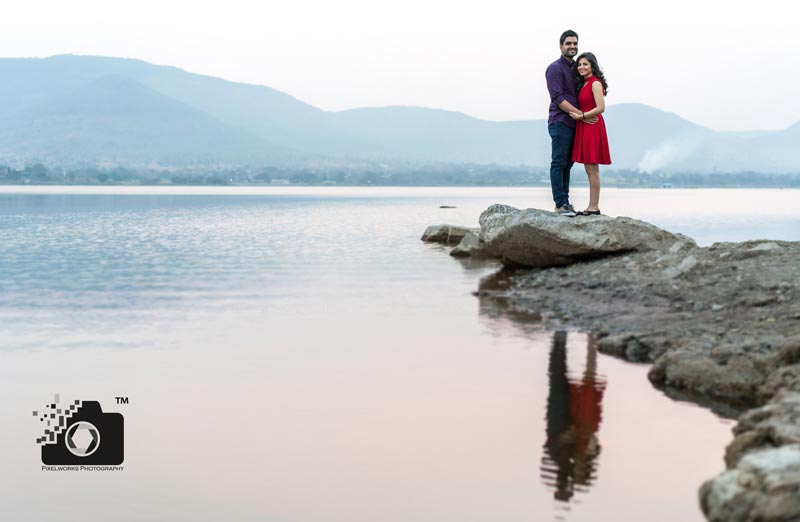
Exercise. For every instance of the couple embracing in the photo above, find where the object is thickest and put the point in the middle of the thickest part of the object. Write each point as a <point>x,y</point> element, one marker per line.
<point>577,131</point>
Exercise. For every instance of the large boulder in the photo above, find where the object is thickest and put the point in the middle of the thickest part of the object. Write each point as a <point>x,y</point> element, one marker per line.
<point>537,238</point>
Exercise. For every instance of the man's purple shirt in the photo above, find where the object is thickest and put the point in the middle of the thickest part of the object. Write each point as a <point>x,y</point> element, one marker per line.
<point>561,84</point>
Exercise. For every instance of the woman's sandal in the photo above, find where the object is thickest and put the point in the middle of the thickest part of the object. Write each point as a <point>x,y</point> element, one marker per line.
<point>589,213</point>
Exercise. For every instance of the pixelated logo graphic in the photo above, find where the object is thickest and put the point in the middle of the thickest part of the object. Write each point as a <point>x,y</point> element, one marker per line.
<point>80,433</point>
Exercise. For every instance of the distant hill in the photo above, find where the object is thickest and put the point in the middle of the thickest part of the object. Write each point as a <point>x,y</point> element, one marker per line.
<point>85,109</point>
<point>116,119</point>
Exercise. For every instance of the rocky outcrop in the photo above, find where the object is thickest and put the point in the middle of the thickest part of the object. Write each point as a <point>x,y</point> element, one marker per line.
<point>720,324</point>
<point>763,479</point>
<point>537,238</point>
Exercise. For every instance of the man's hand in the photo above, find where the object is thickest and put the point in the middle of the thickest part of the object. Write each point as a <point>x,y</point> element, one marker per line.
<point>578,116</point>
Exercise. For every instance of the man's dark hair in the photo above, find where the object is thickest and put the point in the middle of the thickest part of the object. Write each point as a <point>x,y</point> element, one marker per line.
<point>566,34</point>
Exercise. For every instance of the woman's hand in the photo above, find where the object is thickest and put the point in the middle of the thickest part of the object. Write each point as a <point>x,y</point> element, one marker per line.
<point>576,115</point>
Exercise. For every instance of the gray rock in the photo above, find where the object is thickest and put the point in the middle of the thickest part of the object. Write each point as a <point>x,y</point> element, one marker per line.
<point>737,378</point>
<point>786,378</point>
<point>537,238</point>
<point>446,234</point>
<point>775,424</point>
<point>765,487</point>
<point>628,346</point>
<point>763,479</point>
<point>472,246</point>
<point>769,246</point>
<point>682,268</point>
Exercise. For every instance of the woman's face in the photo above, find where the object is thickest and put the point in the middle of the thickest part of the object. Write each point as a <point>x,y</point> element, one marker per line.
<point>584,68</point>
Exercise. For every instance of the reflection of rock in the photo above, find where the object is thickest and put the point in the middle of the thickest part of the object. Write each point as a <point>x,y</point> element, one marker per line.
<point>763,480</point>
<point>494,305</point>
<point>537,238</point>
<point>447,234</point>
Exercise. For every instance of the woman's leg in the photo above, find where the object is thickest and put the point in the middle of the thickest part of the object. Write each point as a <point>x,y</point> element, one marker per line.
<point>593,172</point>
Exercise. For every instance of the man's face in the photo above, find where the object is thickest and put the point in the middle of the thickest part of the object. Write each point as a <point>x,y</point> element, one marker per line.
<point>569,48</point>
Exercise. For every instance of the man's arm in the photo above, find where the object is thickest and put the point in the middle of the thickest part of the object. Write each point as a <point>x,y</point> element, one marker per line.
<point>555,85</point>
<point>567,107</point>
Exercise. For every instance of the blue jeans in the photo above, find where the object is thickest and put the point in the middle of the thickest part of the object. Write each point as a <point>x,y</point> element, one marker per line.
<point>561,137</point>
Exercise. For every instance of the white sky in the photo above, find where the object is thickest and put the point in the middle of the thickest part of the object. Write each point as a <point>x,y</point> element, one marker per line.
<point>723,64</point>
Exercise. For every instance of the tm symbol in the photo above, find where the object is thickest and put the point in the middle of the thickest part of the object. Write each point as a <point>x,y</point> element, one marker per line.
<point>122,400</point>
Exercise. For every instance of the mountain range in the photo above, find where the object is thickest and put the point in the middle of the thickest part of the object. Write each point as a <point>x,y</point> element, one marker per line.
<point>98,110</point>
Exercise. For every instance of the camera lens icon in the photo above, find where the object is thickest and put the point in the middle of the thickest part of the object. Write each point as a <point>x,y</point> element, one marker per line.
<point>82,439</point>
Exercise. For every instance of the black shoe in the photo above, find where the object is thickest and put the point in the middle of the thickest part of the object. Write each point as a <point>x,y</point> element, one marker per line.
<point>589,213</point>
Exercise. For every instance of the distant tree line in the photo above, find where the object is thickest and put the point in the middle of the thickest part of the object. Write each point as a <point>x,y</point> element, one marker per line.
<point>378,174</point>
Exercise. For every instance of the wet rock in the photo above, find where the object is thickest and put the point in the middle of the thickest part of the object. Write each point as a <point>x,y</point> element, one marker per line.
<point>775,424</point>
<point>722,324</point>
<point>472,246</point>
<point>764,487</point>
<point>786,378</point>
<point>537,238</point>
<point>738,378</point>
<point>763,478</point>
<point>446,234</point>
<point>626,346</point>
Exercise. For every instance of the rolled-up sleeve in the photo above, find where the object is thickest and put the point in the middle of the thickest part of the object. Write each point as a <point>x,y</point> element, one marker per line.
<point>555,84</point>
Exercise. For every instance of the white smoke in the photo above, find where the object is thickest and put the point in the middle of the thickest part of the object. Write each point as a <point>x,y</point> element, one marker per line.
<point>668,154</point>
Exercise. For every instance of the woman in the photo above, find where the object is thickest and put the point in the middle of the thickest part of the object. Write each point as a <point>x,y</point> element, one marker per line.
<point>591,141</point>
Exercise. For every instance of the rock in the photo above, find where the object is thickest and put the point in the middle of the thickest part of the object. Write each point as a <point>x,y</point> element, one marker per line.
<point>628,346</point>
<point>537,238</point>
<point>722,324</point>
<point>762,482</point>
<point>775,424</point>
<point>447,234</point>
<point>472,246</point>
<point>680,246</point>
<point>737,378</point>
<point>786,378</point>
<point>683,267</point>
<point>769,246</point>
<point>764,487</point>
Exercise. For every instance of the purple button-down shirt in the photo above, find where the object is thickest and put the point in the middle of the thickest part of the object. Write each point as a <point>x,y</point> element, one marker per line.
<point>561,84</point>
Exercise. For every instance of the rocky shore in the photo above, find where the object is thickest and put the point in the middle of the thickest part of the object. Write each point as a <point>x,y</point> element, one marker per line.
<point>720,325</point>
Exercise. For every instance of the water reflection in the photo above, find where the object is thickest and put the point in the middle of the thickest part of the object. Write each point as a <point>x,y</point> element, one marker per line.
<point>574,413</point>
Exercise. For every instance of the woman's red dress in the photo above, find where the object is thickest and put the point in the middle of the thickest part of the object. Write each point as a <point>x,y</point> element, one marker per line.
<point>591,141</point>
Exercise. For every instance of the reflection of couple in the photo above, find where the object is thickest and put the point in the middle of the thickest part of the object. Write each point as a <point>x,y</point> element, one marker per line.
<point>574,413</point>
<point>575,123</point>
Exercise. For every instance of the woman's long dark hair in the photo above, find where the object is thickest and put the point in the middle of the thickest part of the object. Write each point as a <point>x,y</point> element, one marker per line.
<point>595,70</point>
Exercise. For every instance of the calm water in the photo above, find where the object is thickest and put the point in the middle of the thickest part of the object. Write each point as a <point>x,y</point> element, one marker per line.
<point>297,354</point>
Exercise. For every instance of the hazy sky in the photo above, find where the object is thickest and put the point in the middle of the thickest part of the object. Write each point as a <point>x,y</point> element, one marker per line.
<point>723,64</point>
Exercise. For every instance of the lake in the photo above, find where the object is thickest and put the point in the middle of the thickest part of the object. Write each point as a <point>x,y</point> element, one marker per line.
<point>298,354</point>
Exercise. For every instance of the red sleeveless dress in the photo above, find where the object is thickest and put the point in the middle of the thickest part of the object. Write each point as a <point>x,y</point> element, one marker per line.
<point>591,141</point>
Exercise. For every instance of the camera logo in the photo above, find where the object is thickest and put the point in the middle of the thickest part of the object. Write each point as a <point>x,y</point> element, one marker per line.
<point>82,438</point>
<point>80,433</point>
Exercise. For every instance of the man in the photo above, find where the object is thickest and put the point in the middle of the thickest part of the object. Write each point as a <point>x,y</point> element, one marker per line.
<point>563,100</point>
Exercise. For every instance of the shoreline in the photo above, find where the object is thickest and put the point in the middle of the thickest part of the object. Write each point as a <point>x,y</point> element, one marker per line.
<point>719,325</point>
